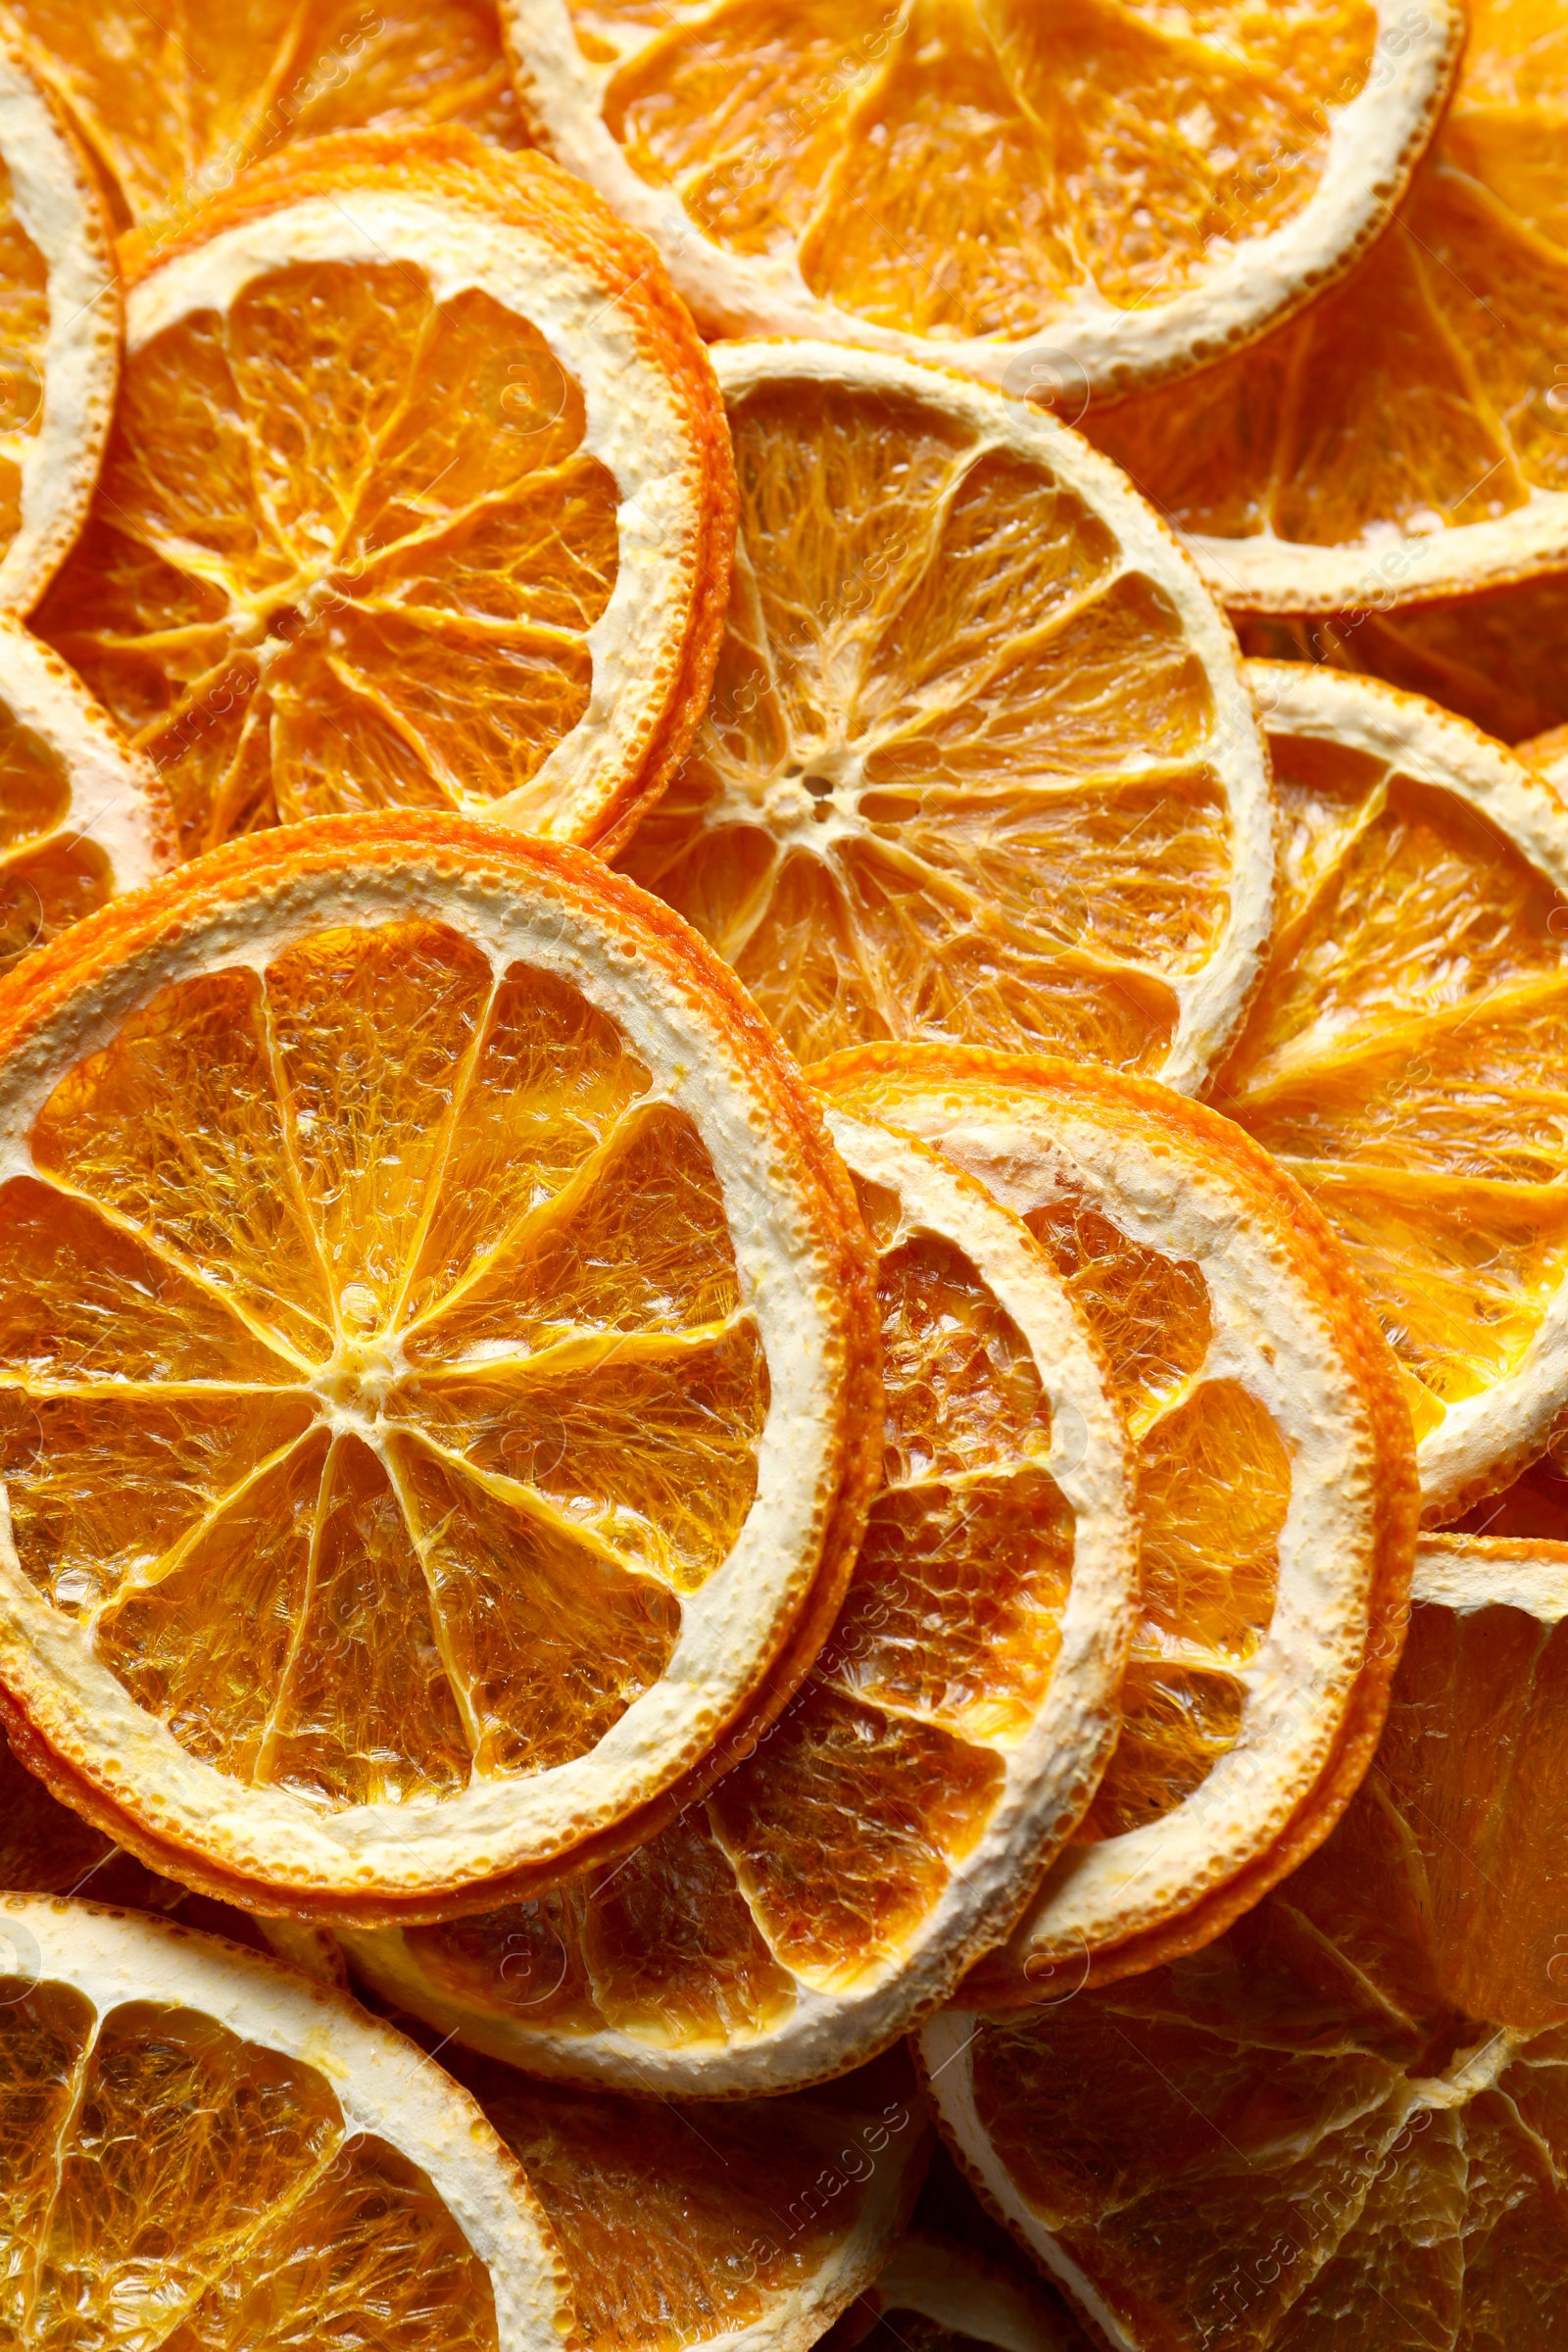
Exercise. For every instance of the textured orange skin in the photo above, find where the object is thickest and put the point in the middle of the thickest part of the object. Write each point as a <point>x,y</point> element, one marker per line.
<point>92,951</point>
<point>456,168</point>
<point>1277,1203</point>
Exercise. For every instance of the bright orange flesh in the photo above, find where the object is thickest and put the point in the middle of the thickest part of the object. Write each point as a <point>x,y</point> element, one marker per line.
<point>466,1166</point>
<point>49,875</point>
<point>1397,1061</point>
<point>348,546</point>
<point>1423,394</point>
<point>953,173</point>
<point>1351,2105</point>
<point>163,2179</point>
<point>822,1854</point>
<point>958,779</point>
<point>676,2231</point>
<point>172,106</point>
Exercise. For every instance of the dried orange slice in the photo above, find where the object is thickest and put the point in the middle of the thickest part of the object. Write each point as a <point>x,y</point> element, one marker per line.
<point>1094,197</point>
<point>58,334</point>
<point>82,815</point>
<point>1549,753</point>
<point>1274,1482</point>
<point>1408,436</point>
<point>1397,1057</point>
<point>1344,2123</point>
<point>980,762</point>
<point>198,2146</point>
<point>746,2230</point>
<point>47,1849</point>
<point>172,104</point>
<point>938,2296</point>
<point>892,1823</point>
<point>435,1338</point>
<point>419,495</point>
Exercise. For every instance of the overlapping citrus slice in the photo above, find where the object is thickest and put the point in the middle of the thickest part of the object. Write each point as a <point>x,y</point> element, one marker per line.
<point>1107,194</point>
<point>1400,1056</point>
<point>47,1849</point>
<point>1533,1506</point>
<point>419,495</point>
<point>173,103</point>
<point>1408,436</point>
<point>1494,656</point>
<point>1345,2123</point>
<point>58,334</point>
<point>980,762</point>
<point>82,815</point>
<point>1275,1490</point>
<point>936,2295</point>
<point>746,2228</point>
<point>436,1362</point>
<point>201,2149</point>
<point>1549,752</point>
<point>894,1821</point>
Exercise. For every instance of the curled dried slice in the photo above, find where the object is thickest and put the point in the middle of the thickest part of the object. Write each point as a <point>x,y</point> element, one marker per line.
<point>419,495</point>
<point>1274,1480</point>
<point>47,1849</point>
<point>1352,2106</point>
<point>58,334</point>
<point>892,1822</point>
<point>199,2146</point>
<point>1073,199</point>
<point>936,2295</point>
<point>436,1350</point>
<point>172,104</point>
<point>746,2231</point>
<point>1408,436</point>
<point>980,762</point>
<point>82,815</point>
<point>1401,1055</point>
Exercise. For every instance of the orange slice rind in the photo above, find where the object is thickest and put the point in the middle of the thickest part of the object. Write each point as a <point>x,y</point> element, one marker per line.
<point>490,580</point>
<point>1406,437</point>
<point>172,106</point>
<point>438,1346</point>
<point>1397,1058</point>
<point>1085,205</point>
<point>83,816</point>
<point>748,2230</point>
<point>892,1822</point>
<point>981,762</point>
<point>1359,2089</point>
<point>936,2295</point>
<point>60,360</point>
<point>1275,1490</point>
<point>321,2130</point>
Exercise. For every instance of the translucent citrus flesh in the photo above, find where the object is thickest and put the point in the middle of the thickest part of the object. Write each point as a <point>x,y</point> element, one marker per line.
<point>1425,393</point>
<point>1344,2123</point>
<point>345,553</point>
<point>165,2181</point>
<point>674,2231</point>
<point>372,1373</point>
<point>1399,1059</point>
<point>955,780</point>
<point>822,1854</point>
<point>24,341</point>
<point>49,875</point>
<point>1493,656</point>
<point>173,107</point>
<point>968,171</point>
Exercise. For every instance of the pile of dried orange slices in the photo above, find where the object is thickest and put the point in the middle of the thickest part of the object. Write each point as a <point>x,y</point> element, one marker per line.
<point>784,1207</point>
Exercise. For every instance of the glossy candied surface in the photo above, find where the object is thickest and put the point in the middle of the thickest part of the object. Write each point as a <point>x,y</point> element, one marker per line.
<point>958,778</point>
<point>1397,1060</point>
<point>1343,2124</point>
<point>373,1378</point>
<point>884,150</point>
